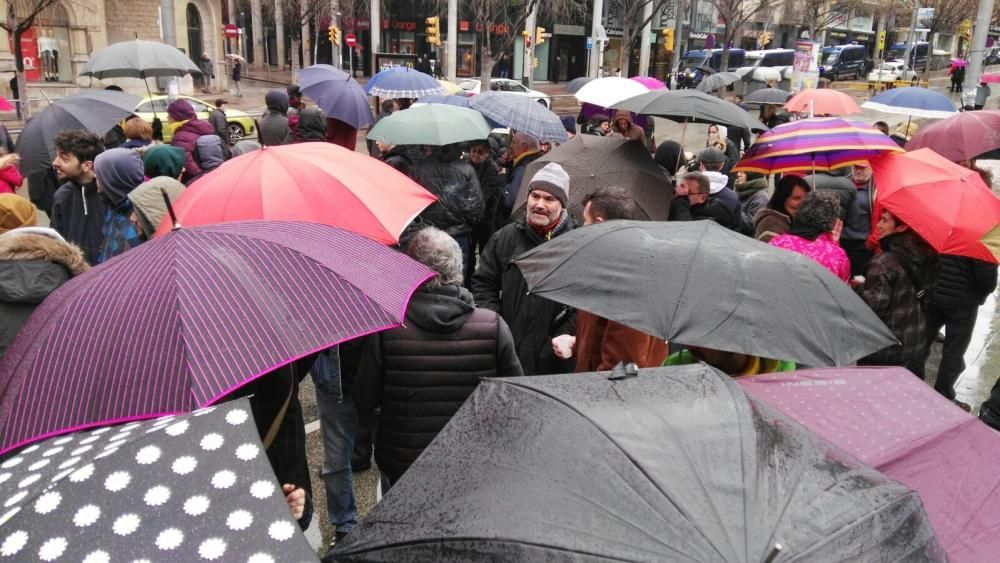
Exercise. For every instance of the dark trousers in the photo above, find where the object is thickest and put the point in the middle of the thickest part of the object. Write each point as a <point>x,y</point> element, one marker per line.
<point>958,325</point>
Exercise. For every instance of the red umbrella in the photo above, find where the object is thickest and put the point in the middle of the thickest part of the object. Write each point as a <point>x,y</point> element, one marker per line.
<point>946,204</point>
<point>822,101</point>
<point>312,182</point>
<point>965,136</point>
<point>5,104</point>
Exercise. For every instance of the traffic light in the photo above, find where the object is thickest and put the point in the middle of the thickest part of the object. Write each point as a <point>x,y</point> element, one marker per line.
<point>527,38</point>
<point>881,40</point>
<point>334,35</point>
<point>668,39</point>
<point>539,35</point>
<point>433,30</point>
<point>765,38</point>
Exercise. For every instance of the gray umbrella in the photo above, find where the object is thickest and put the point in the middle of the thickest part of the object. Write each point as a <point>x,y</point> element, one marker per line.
<point>674,464</point>
<point>714,82</point>
<point>573,86</point>
<point>593,161</point>
<point>520,113</point>
<point>767,96</point>
<point>138,59</point>
<point>698,283</point>
<point>690,106</point>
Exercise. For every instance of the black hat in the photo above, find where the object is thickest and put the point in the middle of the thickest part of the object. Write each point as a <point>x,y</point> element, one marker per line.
<point>711,154</point>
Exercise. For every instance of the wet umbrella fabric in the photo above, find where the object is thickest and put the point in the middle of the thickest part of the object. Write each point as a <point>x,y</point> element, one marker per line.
<point>964,136</point>
<point>759,74</point>
<point>94,110</point>
<point>924,441</point>
<point>714,82</point>
<point>446,99</point>
<point>181,321</point>
<point>912,101</point>
<point>593,162</point>
<point>573,86</point>
<point>698,283</point>
<point>138,59</point>
<point>690,106</point>
<point>431,124</point>
<point>337,94</point>
<point>403,83</point>
<point>188,488</point>
<point>767,96</point>
<point>676,464</point>
<point>521,114</point>
<point>822,101</point>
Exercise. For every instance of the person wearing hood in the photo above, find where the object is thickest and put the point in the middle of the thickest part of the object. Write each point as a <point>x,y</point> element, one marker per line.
<point>148,207</point>
<point>421,373</point>
<point>776,218</point>
<point>274,129</point>
<point>751,188</point>
<point>598,124</point>
<point>341,133</point>
<point>311,127</point>
<point>34,262</point>
<point>397,156</point>
<point>711,162</point>
<point>163,160</point>
<point>118,171</point>
<point>623,126</point>
<point>718,138</point>
<point>209,153</point>
<point>188,128</point>
<point>670,156</point>
<point>77,208</point>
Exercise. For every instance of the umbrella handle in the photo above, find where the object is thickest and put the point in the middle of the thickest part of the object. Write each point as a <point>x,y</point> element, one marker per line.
<point>773,554</point>
<point>170,210</point>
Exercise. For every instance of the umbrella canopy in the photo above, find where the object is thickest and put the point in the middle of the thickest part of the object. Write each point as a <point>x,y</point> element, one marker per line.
<point>963,136</point>
<point>520,113</point>
<point>5,104</point>
<point>431,124</point>
<point>714,82</point>
<point>138,59</point>
<point>450,87</point>
<point>403,82</point>
<point>94,110</point>
<point>187,488</point>
<point>447,99</point>
<point>650,82</point>
<point>767,96</point>
<point>700,284</point>
<point>948,205</point>
<point>937,449</point>
<point>759,74</point>
<point>610,90</point>
<point>593,162</point>
<point>912,101</point>
<point>573,86</point>
<point>314,182</point>
<point>822,101</point>
<point>336,94</point>
<point>691,106</point>
<point>181,321</point>
<point>959,62</point>
<point>815,144</point>
<point>990,77</point>
<point>676,464</point>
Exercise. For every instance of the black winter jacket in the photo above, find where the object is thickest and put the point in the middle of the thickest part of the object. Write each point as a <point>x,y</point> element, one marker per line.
<point>491,183</point>
<point>499,286</point>
<point>838,182</point>
<point>459,207</point>
<point>78,215</point>
<point>963,283</point>
<point>421,373</point>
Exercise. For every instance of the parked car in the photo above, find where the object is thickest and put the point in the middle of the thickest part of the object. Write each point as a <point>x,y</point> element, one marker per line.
<point>843,61</point>
<point>474,86</point>
<point>240,123</point>
<point>891,71</point>
<point>918,54</point>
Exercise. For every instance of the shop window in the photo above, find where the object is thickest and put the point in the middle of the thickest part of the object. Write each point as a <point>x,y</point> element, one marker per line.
<point>45,47</point>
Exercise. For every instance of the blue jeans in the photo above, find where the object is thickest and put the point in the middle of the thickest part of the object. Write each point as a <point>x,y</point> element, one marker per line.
<point>338,419</point>
<point>468,258</point>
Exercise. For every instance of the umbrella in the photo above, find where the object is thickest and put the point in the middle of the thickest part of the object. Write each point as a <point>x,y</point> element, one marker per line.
<point>649,82</point>
<point>95,110</point>
<point>573,86</point>
<point>691,106</point>
<point>337,94</point>
<point>187,488</point>
<point>315,182</point>
<point>935,448</point>
<point>815,144</point>
<point>759,74</point>
<point>701,284</point>
<point>767,96</point>
<point>714,82</point>
<point>432,124</point>
<point>990,77</point>
<point>676,464</point>
<point>5,104</point>
<point>963,136</point>
<point>610,90</point>
<point>181,321</point>
<point>447,99</point>
<point>403,83</point>
<point>590,110</point>
<point>948,205</point>
<point>824,101</point>
<point>959,62</point>
<point>450,87</point>
<point>520,113</point>
<point>912,101</point>
<point>138,59</point>
<point>593,162</point>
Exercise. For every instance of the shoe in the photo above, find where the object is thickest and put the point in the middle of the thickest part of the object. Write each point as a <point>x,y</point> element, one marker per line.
<point>989,418</point>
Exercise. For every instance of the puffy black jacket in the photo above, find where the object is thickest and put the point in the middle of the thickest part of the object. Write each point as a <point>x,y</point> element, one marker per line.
<point>838,182</point>
<point>421,373</point>
<point>459,207</point>
<point>963,283</point>
<point>499,286</point>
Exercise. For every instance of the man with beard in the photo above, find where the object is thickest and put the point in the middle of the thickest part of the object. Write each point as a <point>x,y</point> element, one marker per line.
<point>77,207</point>
<point>499,286</point>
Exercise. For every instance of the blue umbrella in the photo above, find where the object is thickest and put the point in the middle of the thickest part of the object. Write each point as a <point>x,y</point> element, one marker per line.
<point>403,82</point>
<point>448,100</point>
<point>337,94</point>
<point>912,101</point>
<point>522,114</point>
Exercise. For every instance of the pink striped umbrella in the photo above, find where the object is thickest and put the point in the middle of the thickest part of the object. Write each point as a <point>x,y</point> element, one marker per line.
<point>180,322</point>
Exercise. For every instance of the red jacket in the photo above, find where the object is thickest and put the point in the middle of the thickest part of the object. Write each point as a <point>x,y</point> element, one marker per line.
<point>601,344</point>
<point>340,133</point>
<point>10,179</point>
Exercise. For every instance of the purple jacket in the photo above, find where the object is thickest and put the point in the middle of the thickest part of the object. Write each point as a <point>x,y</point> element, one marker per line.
<point>185,137</point>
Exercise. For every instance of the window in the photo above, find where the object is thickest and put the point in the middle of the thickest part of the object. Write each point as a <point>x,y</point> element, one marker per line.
<point>198,106</point>
<point>195,45</point>
<point>158,105</point>
<point>46,47</point>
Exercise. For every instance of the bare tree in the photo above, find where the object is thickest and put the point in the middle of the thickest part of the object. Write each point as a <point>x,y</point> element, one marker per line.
<point>948,14</point>
<point>735,14</point>
<point>818,15</point>
<point>630,14</point>
<point>21,16</point>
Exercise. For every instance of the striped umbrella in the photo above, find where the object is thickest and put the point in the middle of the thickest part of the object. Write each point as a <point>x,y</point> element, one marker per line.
<point>520,113</point>
<point>181,321</point>
<point>816,144</point>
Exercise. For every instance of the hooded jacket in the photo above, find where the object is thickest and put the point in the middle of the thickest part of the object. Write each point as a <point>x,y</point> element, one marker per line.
<point>459,206</point>
<point>31,267</point>
<point>963,283</point>
<point>119,171</point>
<point>630,133</point>
<point>838,182</point>
<point>753,196</point>
<point>421,373</point>
<point>78,215</point>
<point>274,127</point>
<point>186,137</point>
<point>147,201</point>
<point>312,127</point>
<point>163,160</point>
<point>769,223</point>
<point>209,153</point>
<point>717,189</point>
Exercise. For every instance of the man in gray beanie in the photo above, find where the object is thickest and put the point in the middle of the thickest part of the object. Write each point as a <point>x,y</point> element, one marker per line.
<point>499,286</point>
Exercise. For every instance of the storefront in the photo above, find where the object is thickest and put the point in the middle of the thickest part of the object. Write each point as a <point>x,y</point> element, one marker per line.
<point>45,47</point>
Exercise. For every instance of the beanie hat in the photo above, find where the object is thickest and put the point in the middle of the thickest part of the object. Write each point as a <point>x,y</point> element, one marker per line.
<point>180,110</point>
<point>552,179</point>
<point>15,212</point>
<point>711,154</point>
<point>569,124</point>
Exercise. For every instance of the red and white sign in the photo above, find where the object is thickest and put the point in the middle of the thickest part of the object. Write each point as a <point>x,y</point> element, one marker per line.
<point>29,51</point>
<point>231,31</point>
<point>350,40</point>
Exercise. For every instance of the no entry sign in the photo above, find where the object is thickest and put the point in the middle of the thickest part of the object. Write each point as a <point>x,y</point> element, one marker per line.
<point>351,40</point>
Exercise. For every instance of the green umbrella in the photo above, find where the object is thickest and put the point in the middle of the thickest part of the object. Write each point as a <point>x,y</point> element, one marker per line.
<point>431,124</point>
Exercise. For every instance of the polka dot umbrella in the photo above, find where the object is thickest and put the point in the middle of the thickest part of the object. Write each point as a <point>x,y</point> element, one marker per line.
<point>196,487</point>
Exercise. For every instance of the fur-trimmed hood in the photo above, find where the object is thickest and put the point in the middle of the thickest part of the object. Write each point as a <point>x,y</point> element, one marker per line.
<point>14,246</point>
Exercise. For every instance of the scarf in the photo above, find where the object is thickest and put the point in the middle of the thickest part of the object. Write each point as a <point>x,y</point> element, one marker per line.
<point>807,232</point>
<point>552,229</point>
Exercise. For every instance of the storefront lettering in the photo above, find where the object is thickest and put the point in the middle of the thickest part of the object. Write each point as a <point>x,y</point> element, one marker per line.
<point>400,25</point>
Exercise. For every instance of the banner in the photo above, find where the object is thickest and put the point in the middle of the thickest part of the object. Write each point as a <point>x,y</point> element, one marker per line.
<point>805,68</point>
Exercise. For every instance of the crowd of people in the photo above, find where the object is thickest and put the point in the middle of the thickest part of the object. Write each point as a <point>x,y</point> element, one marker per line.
<point>392,392</point>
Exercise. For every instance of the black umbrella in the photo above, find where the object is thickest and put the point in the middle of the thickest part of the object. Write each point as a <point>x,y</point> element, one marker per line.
<point>767,96</point>
<point>93,110</point>
<point>690,106</point>
<point>593,162</point>
<point>676,464</point>
<point>700,284</point>
<point>573,86</point>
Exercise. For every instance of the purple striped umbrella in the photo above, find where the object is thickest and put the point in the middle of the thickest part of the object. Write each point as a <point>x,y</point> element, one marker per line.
<point>180,322</point>
<point>815,144</point>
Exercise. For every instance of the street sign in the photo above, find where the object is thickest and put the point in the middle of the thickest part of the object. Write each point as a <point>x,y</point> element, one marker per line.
<point>231,30</point>
<point>590,43</point>
<point>350,40</point>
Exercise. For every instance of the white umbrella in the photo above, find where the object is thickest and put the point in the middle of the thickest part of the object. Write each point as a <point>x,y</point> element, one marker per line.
<point>759,74</point>
<point>608,91</point>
